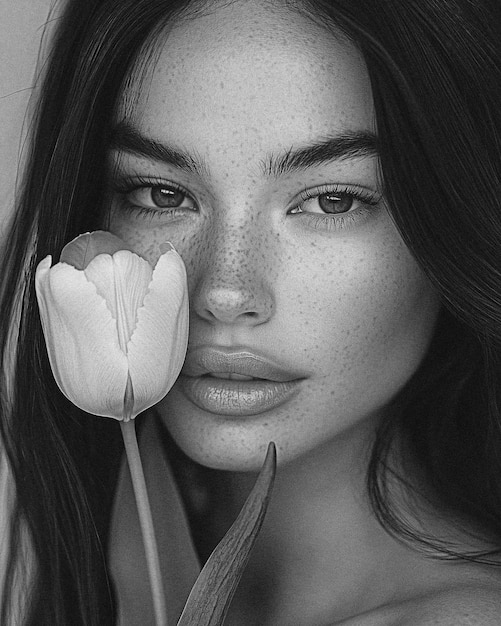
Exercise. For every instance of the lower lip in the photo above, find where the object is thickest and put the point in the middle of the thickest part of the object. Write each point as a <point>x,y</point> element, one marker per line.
<point>236,397</point>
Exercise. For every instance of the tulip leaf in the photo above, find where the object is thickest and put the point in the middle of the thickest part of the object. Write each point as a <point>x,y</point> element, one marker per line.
<point>213,590</point>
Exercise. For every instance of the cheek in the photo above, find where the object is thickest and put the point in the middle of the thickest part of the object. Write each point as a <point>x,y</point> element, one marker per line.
<point>147,239</point>
<point>234,254</point>
<point>366,315</point>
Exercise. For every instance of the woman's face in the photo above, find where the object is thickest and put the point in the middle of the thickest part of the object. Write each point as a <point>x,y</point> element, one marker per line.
<point>252,150</point>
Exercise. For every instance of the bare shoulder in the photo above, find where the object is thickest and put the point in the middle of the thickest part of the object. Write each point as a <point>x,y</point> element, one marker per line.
<point>468,605</point>
<point>463,605</point>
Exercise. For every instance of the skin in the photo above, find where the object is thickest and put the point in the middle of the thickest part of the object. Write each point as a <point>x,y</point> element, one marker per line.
<point>338,298</point>
<point>347,306</point>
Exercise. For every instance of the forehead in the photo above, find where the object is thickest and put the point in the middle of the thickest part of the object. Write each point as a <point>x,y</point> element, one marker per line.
<point>250,73</point>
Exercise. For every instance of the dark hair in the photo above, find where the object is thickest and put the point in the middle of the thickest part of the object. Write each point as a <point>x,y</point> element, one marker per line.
<point>435,73</point>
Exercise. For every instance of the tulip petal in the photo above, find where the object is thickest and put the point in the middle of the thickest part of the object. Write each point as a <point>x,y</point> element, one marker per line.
<point>80,251</point>
<point>157,348</point>
<point>122,280</point>
<point>81,338</point>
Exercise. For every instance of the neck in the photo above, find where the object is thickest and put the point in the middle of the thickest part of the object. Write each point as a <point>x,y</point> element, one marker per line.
<point>321,541</point>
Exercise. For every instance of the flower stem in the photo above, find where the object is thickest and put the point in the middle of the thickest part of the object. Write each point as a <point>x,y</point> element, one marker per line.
<point>145,520</point>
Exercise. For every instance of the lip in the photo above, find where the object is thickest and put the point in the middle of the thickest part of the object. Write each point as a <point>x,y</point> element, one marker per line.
<point>207,360</point>
<point>272,384</point>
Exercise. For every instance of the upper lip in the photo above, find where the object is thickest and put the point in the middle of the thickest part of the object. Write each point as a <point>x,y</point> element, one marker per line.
<point>220,360</point>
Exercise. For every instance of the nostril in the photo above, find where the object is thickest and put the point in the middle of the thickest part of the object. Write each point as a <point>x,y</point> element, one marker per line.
<point>209,314</point>
<point>233,306</point>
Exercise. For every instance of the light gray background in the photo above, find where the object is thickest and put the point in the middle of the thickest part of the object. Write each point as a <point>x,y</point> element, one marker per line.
<point>22,25</point>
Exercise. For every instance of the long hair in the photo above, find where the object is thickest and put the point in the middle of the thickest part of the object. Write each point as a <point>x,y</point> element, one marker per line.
<point>435,72</point>
<point>64,462</point>
<point>434,68</point>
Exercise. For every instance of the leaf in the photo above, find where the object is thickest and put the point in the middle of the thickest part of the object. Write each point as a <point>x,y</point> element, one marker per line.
<point>213,590</point>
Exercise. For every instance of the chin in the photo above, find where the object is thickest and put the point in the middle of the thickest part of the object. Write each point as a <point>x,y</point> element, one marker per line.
<point>243,454</point>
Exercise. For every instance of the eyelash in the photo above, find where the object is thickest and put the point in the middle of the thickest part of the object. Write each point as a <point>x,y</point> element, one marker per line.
<point>327,221</point>
<point>330,221</point>
<point>127,186</point>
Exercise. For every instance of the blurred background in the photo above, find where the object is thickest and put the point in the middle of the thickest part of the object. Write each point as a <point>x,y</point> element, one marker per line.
<point>22,26</point>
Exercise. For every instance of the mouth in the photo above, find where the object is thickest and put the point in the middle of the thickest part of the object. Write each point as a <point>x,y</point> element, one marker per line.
<point>230,376</point>
<point>236,382</point>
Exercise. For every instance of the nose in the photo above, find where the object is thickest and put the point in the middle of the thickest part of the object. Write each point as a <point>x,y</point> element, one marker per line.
<point>234,280</point>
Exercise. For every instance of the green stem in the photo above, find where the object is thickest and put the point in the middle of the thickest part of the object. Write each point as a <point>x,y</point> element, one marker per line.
<point>145,520</point>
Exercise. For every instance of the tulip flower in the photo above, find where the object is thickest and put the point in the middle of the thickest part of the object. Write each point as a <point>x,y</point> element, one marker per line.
<point>116,329</point>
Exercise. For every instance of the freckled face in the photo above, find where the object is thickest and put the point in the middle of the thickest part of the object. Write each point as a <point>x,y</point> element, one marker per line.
<point>302,266</point>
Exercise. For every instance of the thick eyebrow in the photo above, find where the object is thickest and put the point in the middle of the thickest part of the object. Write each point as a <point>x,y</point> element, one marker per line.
<point>348,145</point>
<point>126,138</point>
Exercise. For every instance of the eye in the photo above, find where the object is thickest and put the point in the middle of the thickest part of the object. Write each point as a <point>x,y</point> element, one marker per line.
<point>160,197</point>
<point>336,207</point>
<point>334,201</point>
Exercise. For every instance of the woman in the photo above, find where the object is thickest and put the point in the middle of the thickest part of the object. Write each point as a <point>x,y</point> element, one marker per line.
<point>329,172</point>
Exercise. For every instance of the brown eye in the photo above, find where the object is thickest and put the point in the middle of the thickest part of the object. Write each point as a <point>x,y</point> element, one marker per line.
<point>335,202</point>
<point>167,197</point>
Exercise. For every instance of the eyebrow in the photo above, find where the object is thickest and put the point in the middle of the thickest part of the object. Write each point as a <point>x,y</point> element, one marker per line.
<point>126,138</point>
<point>347,145</point>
